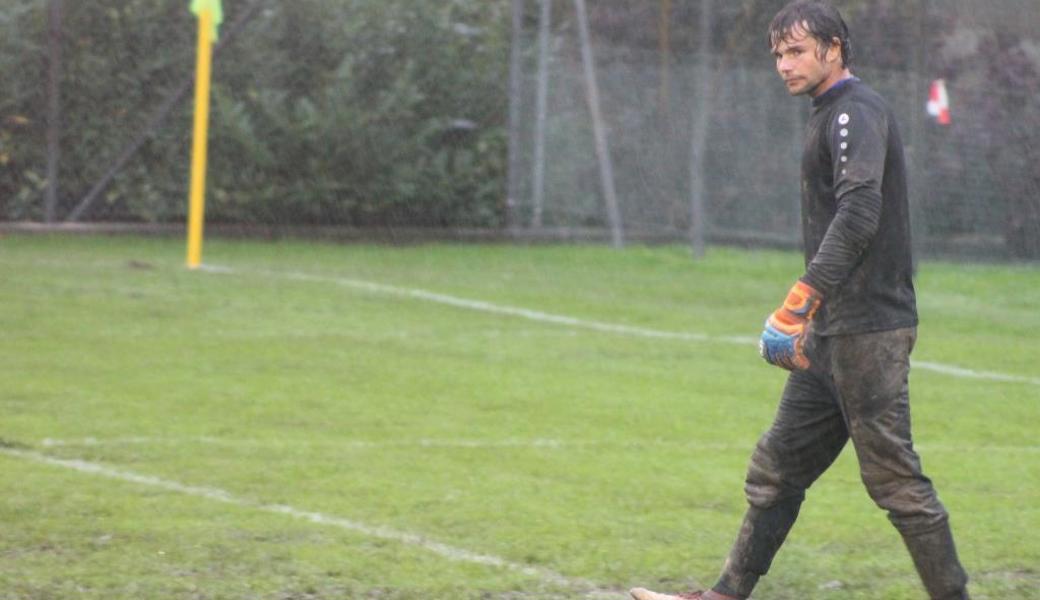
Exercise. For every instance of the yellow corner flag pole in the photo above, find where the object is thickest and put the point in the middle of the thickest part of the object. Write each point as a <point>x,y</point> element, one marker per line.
<point>210,13</point>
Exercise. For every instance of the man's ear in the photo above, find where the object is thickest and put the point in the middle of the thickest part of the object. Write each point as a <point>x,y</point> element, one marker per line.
<point>834,51</point>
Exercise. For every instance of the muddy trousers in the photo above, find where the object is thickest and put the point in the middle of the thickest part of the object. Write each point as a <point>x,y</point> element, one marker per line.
<point>856,389</point>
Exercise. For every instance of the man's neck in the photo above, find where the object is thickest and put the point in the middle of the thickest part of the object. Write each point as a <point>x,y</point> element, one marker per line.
<point>835,78</point>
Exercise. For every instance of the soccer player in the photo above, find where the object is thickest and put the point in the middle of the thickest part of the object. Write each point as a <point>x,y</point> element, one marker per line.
<point>846,328</point>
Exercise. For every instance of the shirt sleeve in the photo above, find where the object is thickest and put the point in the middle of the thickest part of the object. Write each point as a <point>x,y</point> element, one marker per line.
<point>858,141</point>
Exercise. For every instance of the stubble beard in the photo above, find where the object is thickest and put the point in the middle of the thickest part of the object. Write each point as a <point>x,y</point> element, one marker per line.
<point>806,87</point>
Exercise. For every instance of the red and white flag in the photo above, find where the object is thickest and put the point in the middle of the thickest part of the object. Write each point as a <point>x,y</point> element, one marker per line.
<point>939,102</point>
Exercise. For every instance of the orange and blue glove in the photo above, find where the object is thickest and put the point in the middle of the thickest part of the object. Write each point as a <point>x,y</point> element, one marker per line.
<point>783,341</point>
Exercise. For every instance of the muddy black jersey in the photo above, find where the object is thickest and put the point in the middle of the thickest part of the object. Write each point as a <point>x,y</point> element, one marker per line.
<point>855,214</point>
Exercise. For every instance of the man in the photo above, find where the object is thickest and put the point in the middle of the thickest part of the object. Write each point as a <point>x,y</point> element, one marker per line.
<point>847,327</point>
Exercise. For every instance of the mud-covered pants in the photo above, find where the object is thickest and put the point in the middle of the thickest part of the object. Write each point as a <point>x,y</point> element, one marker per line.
<point>856,389</point>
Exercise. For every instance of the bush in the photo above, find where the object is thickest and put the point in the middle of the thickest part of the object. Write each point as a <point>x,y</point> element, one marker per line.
<point>368,112</point>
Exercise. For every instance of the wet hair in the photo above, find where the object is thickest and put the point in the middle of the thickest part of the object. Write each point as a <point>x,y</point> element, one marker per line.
<point>819,19</point>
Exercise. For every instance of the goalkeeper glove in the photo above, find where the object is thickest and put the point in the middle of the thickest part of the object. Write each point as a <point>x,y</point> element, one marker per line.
<point>783,340</point>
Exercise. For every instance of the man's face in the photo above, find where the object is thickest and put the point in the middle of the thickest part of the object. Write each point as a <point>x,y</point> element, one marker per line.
<point>801,66</point>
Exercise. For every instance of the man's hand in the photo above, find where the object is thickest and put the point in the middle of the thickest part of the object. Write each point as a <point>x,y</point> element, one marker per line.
<point>783,340</point>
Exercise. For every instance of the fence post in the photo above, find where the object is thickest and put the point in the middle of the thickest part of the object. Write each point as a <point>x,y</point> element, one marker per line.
<point>538,176</point>
<point>915,152</point>
<point>664,35</point>
<point>515,89</point>
<point>54,39</point>
<point>699,135</point>
<point>599,128</point>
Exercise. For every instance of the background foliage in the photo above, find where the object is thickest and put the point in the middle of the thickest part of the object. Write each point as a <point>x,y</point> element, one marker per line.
<point>331,112</point>
<point>395,112</point>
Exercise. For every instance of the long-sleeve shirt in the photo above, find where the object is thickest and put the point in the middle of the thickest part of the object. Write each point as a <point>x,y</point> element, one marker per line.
<point>855,214</point>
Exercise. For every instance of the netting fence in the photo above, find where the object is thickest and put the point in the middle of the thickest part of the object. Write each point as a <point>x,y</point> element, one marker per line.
<point>700,128</point>
<point>621,121</point>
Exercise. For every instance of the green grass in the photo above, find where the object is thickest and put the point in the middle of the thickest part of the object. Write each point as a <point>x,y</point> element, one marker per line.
<point>609,458</point>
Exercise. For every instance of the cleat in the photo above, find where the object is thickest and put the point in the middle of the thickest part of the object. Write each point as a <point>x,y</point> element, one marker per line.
<point>644,594</point>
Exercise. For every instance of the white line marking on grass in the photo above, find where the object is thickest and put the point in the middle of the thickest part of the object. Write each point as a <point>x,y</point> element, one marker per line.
<point>92,441</point>
<point>972,374</point>
<point>531,444</point>
<point>466,444</point>
<point>600,326</point>
<point>453,553</point>
<point>488,307</point>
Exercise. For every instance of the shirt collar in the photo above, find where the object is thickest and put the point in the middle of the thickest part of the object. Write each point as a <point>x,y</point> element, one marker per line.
<point>834,91</point>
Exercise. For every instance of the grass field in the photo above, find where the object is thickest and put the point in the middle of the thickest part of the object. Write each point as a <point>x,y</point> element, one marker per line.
<point>318,421</point>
